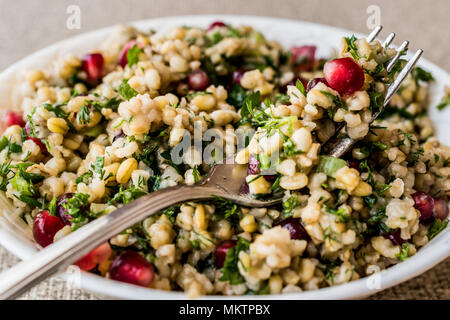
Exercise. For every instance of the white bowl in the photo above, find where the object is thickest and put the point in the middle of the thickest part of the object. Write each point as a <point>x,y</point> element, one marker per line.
<point>288,32</point>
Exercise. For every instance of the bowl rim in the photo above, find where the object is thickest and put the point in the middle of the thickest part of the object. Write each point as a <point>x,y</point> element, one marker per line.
<point>427,257</point>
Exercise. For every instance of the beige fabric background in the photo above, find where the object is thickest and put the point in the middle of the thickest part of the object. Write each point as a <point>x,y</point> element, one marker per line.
<point>26,26</point>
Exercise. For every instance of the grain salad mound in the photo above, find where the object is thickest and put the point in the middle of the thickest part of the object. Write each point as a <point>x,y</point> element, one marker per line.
<point>98,132</point>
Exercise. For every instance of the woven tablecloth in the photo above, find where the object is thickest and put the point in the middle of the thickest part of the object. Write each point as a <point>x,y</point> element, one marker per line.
<point>26,26</point>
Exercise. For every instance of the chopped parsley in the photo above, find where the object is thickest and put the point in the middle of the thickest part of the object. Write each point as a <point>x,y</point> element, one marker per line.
<point>196,174</point>
<point>127,195</point>
<point>404,253</point>
<point>230,270</point>
<point>112,104</point>
<point>133,55</point>
<point>351,47</point>
<point>444,103</point>
<point>126,91</point>
<point>377,186</point>
<point>341,214</point>
<point>226,209</point>
<point>83,116</point>
<point>436,227</point>
<point>288,206</point>
<point>171,213</point>
<point>300,87</point>
<point>420,74</point>
<point>77,208</point>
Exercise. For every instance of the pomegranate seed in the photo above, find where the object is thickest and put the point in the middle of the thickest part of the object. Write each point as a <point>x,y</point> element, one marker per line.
<point>215,24</point>
<point>93,66</point>
<point>96,256</point>
<point>45,227</point>
<point>344,75</point>
<point>61,211</point>
<point>313,82</point>
<point>198,80</point>
<point>295,228</point>
<point>395,237</point>
<point>353,164</point>
<point>237,76</point>
<point>253,164</point>
<point>244,189</point>
<point>40,144</point>
<point>440,209</point>
<point>132,268</point>
<point>10,118</point>
<point>27,128</point>
<point>304,57</point>
<point>425,204</point>
<point>221,252</point>
<point>293,82</point>
<point>123,55</point>
<point>119,135</point>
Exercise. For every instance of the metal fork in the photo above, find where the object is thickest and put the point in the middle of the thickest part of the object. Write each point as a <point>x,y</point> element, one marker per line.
<point>338,145</point>
<point>224,180</point>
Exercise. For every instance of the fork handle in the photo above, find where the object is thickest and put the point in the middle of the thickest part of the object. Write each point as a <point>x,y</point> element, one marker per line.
<point>62,253</point>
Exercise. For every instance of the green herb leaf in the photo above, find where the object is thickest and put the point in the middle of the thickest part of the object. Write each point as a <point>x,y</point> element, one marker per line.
<point>341,214</point>
<point>420,74</point>
<point>436,227</point>
<point>226,209</point>
<point>127,195</point>
<point>126,91</point>
<point>52,206</point>
<point>404,253</point>
<point>444,103</point>
<point>300,87</point>
<point>351,47</point>
<point>230,270</point>
<point>133,55</point>
<point>83,116</point>
<point>288,206</point>
<point>330,165</point>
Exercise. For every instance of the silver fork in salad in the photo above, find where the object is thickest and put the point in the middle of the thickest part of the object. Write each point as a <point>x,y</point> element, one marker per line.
<point>224,180</point>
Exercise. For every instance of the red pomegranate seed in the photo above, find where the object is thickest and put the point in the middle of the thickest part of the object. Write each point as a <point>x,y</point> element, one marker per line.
<point>440,209</point>
<point>221,252</point>
<point>303,57</point>
<point>294,227</point>
<point>119,135</point>
<point>40,144</point>
<point>132,268</point>
<point>312,83</point>
<point>244,189</point>
<point>219,24</point>
<point>425,204</point>
<point>198,80</point>
<point>123,55</point>
<point>353,164</point>
<point>93,66</point>
<point>253,164</point>
<point>344,75</point>
<point>10,118</point>
<point>237,76</point>
<point>45,227</point>
<point>96,256</point>
<point>395,237</point>
<point>62,212</point>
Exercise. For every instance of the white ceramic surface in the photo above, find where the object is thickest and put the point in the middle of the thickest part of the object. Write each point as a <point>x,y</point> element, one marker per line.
<point>288,32</point>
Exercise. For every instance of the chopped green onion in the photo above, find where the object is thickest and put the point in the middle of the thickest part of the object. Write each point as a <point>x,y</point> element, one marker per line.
<point>329,165</point>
